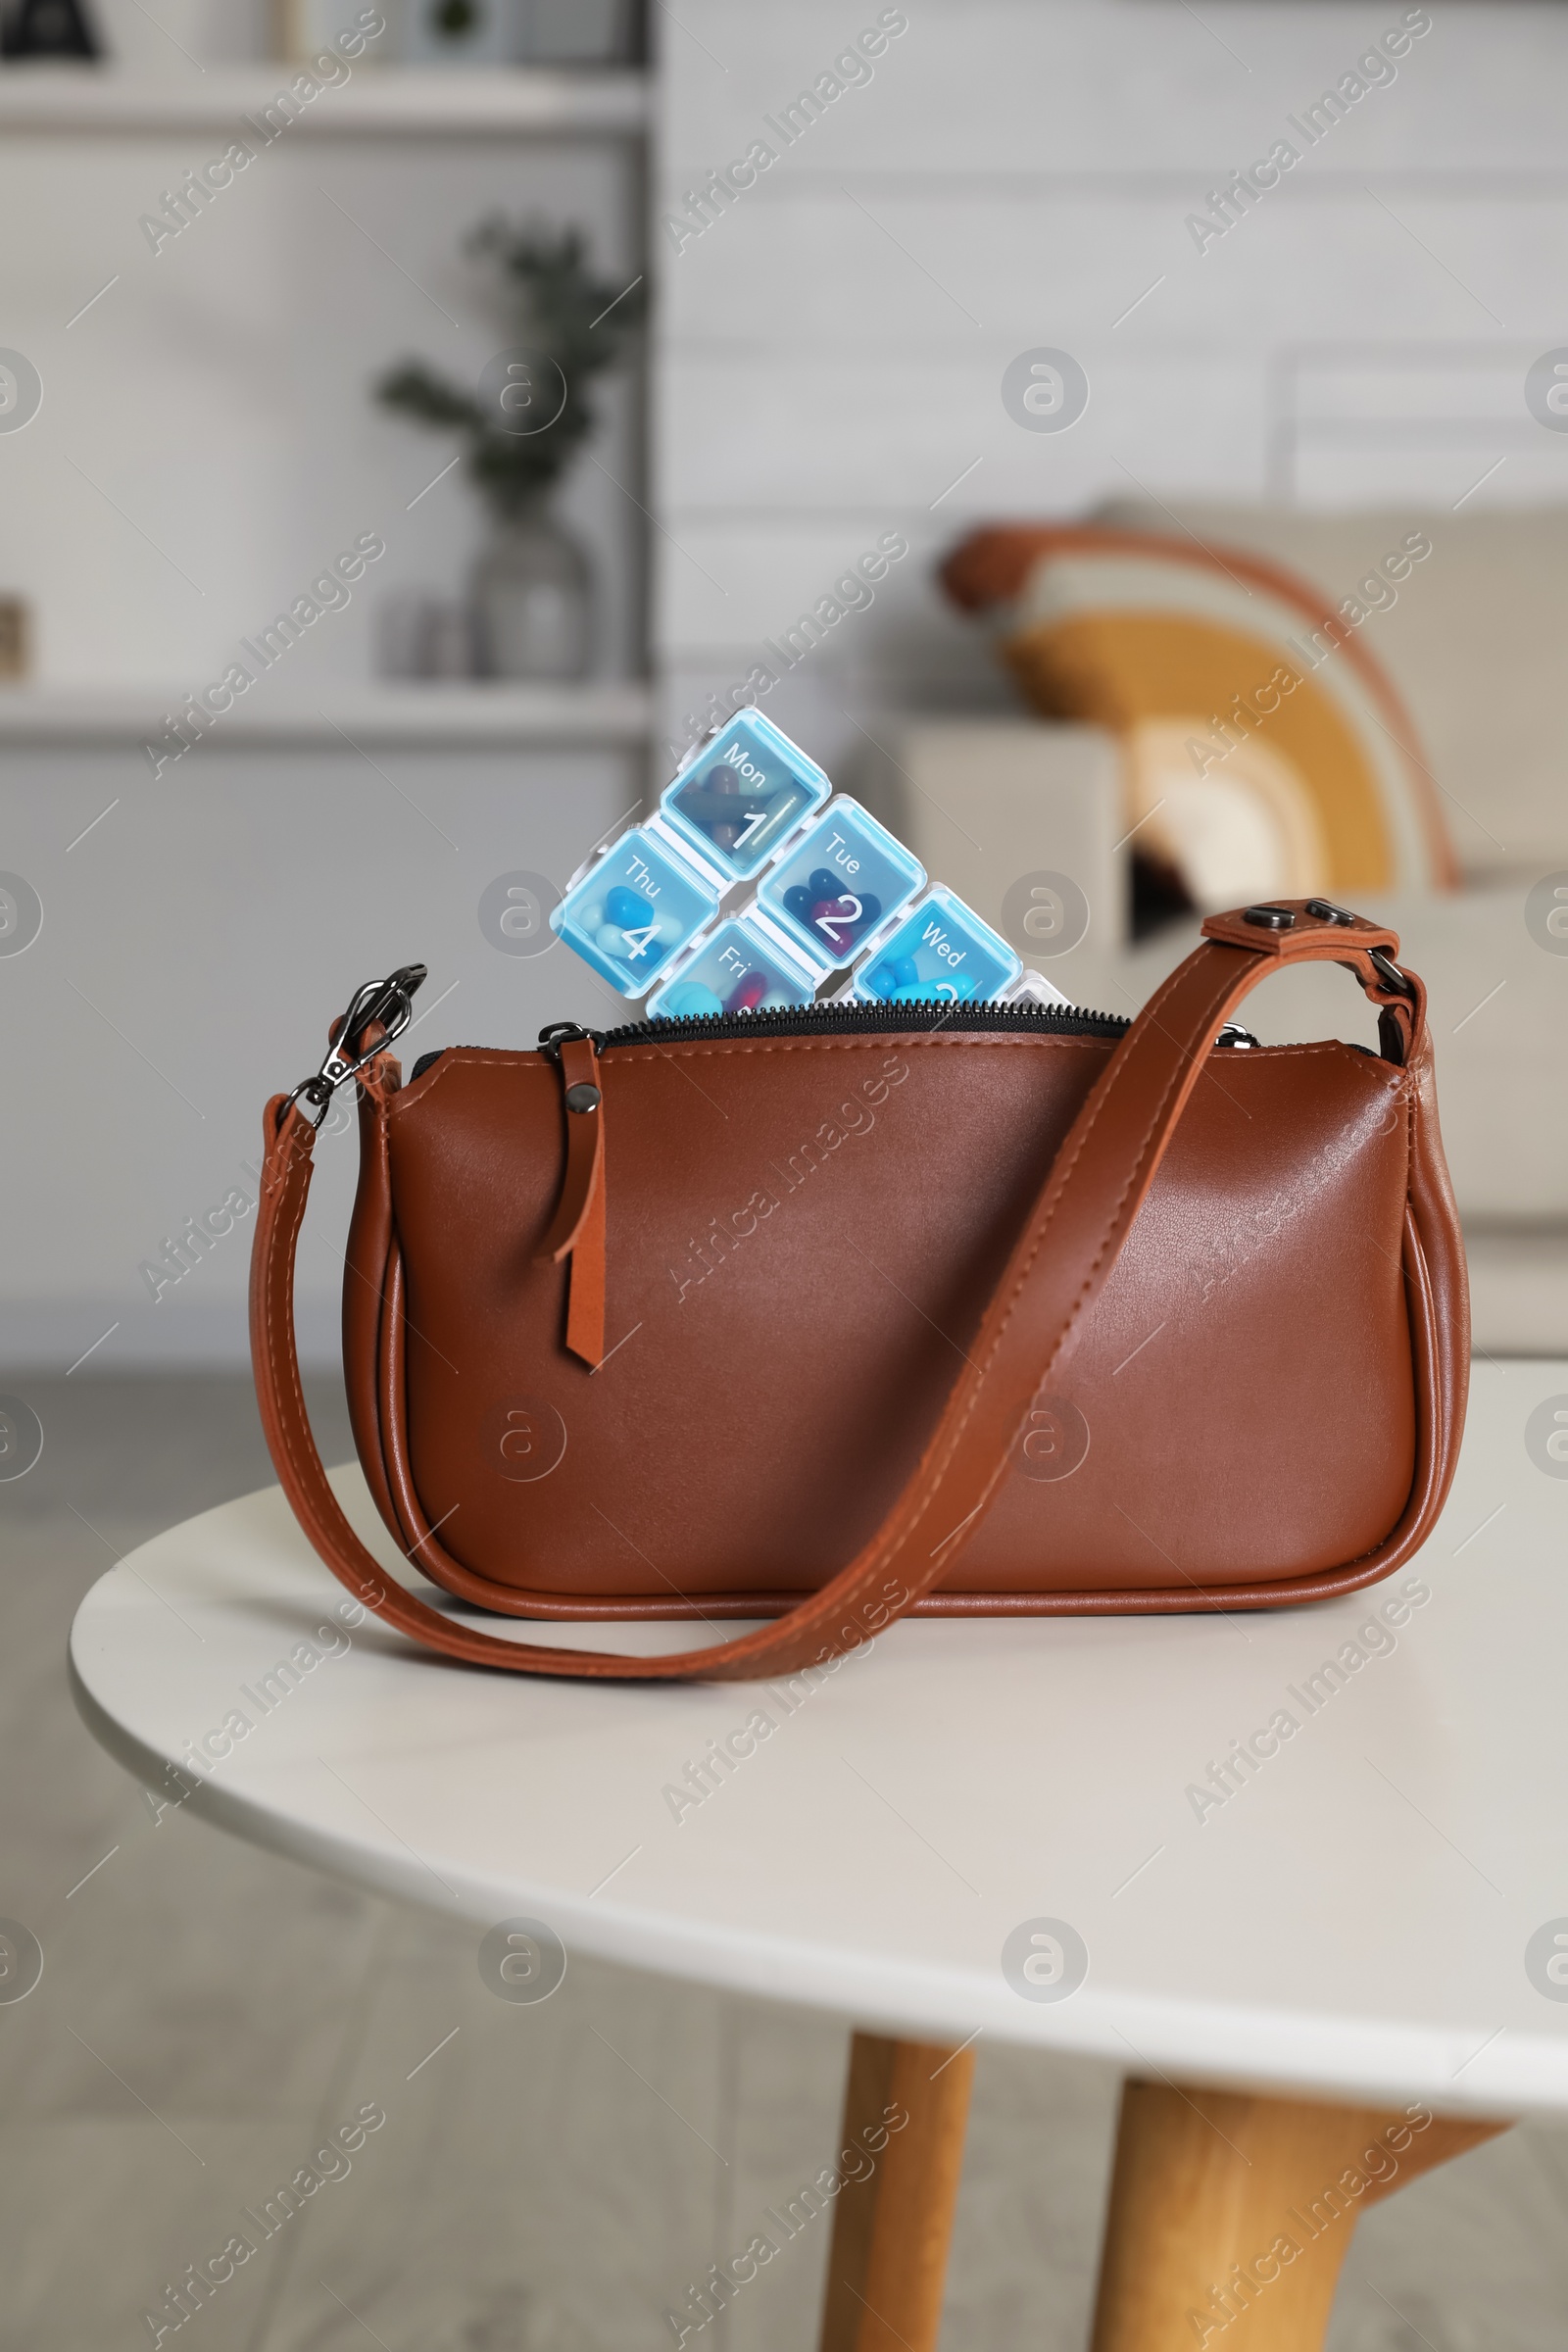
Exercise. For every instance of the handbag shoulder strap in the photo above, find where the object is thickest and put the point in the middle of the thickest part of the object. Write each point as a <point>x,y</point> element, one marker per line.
<point>1071,1240</point>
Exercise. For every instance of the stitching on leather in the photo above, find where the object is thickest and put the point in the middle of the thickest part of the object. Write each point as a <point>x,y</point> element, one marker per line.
<point>498,1058</point>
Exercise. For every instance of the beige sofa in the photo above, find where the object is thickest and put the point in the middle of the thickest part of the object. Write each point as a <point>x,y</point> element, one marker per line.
<point>1476,643</point>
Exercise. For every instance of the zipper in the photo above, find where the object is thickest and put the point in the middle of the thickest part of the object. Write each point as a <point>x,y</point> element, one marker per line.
<point>851,1020</point>
<point>861,1020</point>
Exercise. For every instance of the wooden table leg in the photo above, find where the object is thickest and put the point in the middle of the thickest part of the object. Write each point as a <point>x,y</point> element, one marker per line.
<point>1229,2215</point>
<point>899,2154</point>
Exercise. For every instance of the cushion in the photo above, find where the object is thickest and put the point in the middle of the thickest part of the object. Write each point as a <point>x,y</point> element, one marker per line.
<point>1265,751</point>
<point>1476,642</point>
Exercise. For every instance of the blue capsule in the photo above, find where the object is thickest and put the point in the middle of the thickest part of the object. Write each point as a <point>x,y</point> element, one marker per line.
<point>894,972</point>
<point>627,907</point>
<point>689,1000</point>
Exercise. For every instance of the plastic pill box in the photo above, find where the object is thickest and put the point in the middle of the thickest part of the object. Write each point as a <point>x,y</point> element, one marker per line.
<point>838,888</point>
<point>1033,988</point>
<point>633,912</point>
<point>736,969</point>
<point>941,949</point>
<point>738,800</point>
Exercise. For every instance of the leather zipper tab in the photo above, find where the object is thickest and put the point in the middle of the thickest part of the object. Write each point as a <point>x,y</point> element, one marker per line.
<point>578,1229</point>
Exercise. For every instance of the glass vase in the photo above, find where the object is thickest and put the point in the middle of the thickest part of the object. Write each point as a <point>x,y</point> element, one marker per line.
<point>532,599</point>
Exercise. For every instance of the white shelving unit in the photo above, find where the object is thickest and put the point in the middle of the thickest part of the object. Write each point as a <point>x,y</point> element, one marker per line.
<point>384,103</point>
<point>415,715</point>
<point>378,100</point>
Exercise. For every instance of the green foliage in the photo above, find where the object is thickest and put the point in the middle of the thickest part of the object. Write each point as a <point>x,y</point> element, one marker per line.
<point>560,309</point>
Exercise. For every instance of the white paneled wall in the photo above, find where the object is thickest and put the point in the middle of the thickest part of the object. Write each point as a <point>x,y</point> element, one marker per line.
<point>1015,176</point>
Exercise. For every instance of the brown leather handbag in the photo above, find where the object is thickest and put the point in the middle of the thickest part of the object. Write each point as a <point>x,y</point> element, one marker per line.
<point>832,1316</point>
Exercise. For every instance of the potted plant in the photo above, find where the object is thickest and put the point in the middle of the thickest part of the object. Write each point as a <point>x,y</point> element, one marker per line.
<point>521,425</point>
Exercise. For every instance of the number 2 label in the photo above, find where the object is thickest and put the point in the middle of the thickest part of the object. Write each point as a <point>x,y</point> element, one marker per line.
<point>833,924</point>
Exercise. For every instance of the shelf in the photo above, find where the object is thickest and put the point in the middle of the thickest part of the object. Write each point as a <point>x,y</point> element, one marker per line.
<point>413,716</point>
<point>379,99</point>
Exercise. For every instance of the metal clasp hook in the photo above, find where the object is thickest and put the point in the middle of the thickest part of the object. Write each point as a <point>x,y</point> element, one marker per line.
<point>385,1004</point>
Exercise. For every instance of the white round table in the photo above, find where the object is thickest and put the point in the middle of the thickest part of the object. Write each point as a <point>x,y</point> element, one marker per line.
<point>1316,1855</point>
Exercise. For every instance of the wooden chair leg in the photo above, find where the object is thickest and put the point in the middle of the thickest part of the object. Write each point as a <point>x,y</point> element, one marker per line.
<point>900,2151</point>
<point>1229,2215</point>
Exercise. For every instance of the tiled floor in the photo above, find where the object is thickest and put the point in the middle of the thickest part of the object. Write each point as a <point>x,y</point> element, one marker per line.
<point>546,2180</point>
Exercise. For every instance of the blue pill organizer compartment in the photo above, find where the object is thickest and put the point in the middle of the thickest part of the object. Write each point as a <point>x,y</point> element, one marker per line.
<point>736,969</point>
<point>838,888</point>
<point>738,800</point>
<point>941,949</point>
<point>633,912</point>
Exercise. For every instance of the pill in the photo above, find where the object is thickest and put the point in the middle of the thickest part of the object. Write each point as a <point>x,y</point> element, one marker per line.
<point>906,971</point>
<point>822,885</point>
<point>883,978</point>
<point>627,907</point>
<point>799,901</point>
<point>747,994</point>
<point>589,916</point>
<point>690,1000</point>
<point>612,941</point>
<point>725,831</point>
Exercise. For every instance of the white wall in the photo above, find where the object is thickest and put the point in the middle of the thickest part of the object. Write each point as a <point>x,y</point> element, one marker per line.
<point>1018,175</point>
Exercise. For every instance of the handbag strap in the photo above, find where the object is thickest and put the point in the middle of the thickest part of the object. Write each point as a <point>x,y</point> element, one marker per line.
<point>1069,1246</point>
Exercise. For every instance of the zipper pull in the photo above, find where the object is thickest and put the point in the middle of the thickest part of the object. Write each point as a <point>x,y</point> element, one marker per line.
<point>578,1229</point>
